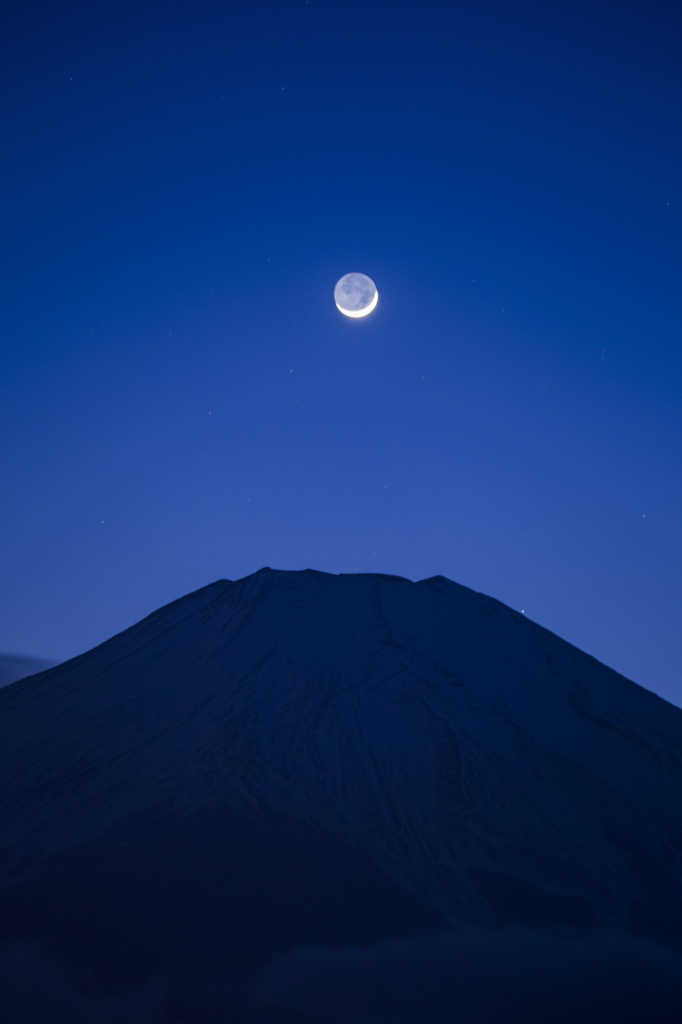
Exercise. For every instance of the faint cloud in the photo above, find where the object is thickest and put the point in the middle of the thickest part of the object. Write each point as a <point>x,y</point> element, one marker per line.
<point>496,976</point>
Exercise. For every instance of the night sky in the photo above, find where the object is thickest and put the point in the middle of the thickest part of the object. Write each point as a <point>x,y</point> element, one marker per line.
<point>180,401</point>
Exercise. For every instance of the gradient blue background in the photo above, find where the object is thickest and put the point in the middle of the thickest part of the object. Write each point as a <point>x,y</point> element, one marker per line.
<point>182,185</point>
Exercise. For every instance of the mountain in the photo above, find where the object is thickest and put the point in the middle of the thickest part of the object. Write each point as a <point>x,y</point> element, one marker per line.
<point>297,757</point>
<point>18,666</point>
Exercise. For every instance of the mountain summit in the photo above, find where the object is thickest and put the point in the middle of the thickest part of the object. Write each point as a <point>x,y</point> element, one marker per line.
<point>303,757</point>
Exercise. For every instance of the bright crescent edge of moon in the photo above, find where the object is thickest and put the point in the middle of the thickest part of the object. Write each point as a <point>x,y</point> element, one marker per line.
<point>359,312</point>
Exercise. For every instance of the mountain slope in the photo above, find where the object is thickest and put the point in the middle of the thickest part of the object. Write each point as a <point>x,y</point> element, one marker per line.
<point>461,757</point>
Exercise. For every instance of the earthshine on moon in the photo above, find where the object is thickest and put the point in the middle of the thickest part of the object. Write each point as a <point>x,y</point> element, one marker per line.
<point>356,295</point>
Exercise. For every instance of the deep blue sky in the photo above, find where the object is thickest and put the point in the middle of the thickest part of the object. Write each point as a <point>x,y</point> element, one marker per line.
<point>182,185</point>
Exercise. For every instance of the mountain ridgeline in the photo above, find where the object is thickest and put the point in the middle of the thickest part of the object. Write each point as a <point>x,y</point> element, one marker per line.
<point>298,757</point>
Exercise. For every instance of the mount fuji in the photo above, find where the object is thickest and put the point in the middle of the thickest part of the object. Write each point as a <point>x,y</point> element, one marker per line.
<point>299,758</point>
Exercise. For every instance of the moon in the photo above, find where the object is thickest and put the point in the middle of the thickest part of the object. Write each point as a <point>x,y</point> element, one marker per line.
<point>355,295</point>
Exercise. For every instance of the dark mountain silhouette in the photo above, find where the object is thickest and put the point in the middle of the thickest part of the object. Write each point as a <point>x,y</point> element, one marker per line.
<point>299,758</point>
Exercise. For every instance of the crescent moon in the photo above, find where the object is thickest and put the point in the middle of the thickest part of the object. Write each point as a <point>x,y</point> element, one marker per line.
<point>355,295</point>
